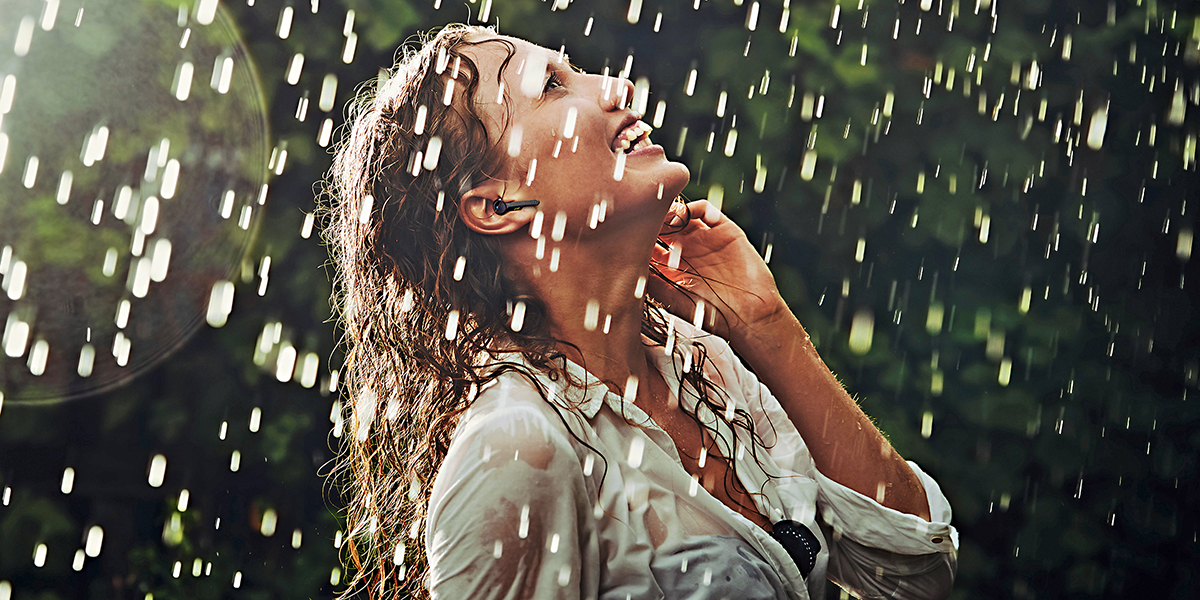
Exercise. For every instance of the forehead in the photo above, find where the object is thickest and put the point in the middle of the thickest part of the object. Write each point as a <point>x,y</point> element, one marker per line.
<point>490,53</point>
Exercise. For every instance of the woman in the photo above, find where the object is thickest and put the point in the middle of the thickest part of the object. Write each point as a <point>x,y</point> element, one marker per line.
<point>533,401</point>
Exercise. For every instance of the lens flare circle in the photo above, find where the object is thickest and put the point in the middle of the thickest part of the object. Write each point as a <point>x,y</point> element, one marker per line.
<point>133,146</point>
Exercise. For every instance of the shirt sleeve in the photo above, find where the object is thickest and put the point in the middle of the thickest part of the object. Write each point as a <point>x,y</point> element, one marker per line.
<point>505,512</point>
<point>878,552</point>
<point>875,551</point>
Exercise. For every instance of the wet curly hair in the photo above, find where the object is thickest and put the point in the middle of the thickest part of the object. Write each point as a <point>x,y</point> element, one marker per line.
<point>422,301</point>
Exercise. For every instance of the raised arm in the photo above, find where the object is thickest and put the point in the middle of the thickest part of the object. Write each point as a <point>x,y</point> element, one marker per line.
<point>719,267</point>
<point>844,443</point>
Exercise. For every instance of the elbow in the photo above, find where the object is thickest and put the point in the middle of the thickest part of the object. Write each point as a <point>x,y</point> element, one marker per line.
<point>921,577</point>
<point>938,582</point>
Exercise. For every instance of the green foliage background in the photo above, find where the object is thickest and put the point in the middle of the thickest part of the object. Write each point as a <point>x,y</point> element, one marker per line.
<point>932,210</point>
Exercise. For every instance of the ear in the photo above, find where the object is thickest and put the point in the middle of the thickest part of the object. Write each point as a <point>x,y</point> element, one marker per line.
<point>477,212</point>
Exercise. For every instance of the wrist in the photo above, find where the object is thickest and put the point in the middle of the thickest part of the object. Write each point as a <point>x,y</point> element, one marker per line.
<point>771,332</point>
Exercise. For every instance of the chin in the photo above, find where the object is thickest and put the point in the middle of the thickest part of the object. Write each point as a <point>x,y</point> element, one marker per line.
<point>674,181</point>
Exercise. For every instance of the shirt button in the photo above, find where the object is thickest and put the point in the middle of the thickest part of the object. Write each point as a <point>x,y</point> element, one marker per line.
<point>937,540</point>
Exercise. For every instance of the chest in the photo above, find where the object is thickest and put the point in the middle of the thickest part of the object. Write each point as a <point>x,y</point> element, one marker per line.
<point>702,459</point>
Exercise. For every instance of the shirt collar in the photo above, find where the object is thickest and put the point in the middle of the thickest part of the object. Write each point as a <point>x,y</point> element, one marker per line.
<point>580,391</point>
<point>585,393</point>
<point>588,397</point>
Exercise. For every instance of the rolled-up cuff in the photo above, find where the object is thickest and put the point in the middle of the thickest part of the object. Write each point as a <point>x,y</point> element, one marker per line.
<point>869,523</point>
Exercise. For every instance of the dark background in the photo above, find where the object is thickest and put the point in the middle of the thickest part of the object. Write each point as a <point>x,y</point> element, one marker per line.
<point>1061,427</point>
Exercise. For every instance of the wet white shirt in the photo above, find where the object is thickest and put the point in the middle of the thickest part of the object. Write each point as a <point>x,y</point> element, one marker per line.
<point>523,509</point>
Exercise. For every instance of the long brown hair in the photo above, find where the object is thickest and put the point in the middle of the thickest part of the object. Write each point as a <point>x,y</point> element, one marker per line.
<point>422,301</point>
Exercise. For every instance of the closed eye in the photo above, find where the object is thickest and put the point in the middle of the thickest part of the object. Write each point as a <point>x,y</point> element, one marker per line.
<point>552,81</point>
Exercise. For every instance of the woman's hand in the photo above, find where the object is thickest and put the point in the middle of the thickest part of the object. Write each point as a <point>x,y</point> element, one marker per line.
<point>717,265</point>
<point>712,262</point>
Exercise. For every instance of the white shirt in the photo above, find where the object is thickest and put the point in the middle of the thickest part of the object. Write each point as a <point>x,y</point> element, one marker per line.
<point>522,508</point>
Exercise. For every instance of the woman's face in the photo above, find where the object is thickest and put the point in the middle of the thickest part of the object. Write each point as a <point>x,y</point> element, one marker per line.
<point>567,139</point>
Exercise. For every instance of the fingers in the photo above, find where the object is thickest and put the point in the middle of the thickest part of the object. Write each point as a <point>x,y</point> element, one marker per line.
<point>705,211</point>
<point>668,257</point>
<point>684,300</point>
<point>690,215</point>
<point>677,216</point>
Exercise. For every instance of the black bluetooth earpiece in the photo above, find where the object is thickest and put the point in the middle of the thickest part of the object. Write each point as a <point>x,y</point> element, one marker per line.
<point>502,207</point>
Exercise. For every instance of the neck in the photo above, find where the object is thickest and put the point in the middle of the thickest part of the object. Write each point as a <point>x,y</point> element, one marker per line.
<point>593,305</point>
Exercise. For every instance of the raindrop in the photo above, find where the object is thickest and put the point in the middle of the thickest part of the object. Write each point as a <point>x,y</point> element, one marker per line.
<point>523,527</point>
<point>31,169</point>
<point>68,480</point>
<point>533,75</point>
<point>1097,127</point>
<point>94,541</point>
<point>64,188</point>
<point>24,37</point>
<point>591,315</point>
<point>285,362</point>
<point>631,387</point>
<point>862,329</point>
<point>634,13</point>
<point>1175,114</point>
<point>181,87</point>
<point>158,470</point>
<point>294,69</point>
<point>284,29</point>
<point>269,521</point>
<point>432,152</point>
<point>206,11</point>
<point>328,93</point>
<point>641,95</point>
<point>87,360</point>
<point>220,303</point>
<point>569,124</point>
<point>8,91</point>
<point>349,48</point>
<point>808,164</point>
<point>38,357</point>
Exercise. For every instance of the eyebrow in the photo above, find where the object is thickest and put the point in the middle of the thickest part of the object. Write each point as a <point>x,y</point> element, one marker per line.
<point>570,65</point>
<point>562,56</point>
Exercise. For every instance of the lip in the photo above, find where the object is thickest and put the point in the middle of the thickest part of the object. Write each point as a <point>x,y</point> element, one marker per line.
<point>652,148</point>
<point>629,119</point>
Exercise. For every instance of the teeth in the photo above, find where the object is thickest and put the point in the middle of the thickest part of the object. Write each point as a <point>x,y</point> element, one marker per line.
<point>625,140</point>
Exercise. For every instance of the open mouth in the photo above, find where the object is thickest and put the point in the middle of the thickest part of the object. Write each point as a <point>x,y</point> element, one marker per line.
<point>633,138</point>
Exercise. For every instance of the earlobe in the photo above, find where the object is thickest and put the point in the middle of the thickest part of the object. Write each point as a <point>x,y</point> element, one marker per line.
<point>484,211</point>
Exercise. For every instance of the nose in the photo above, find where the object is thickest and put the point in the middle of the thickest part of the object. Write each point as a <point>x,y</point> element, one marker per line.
<point>616,93</point>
